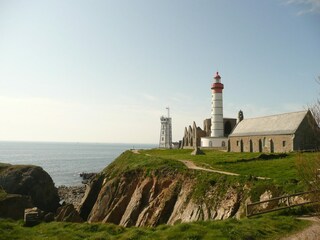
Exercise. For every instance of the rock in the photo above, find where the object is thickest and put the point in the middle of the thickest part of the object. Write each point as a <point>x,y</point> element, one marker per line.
<point>90,197</point>
<point>87,177</point>
<point>32,216</point>
<point>13,205</point>
<point>32,181</point>
<point>197,151</point>
<point>49,217</point>
<point>71,195</point>
<point>67,213</point>
<point>263,197</point>
<point>134,199</point>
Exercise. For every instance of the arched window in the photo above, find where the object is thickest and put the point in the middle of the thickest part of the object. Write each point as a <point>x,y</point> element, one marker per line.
<point>251,145</point>
<point>260,145</point>
<point>271,146</point>
<point>264,143</point>
<point>241,145</point>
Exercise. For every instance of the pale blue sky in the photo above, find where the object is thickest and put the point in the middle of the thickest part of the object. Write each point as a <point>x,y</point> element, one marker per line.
<point>104,71</point>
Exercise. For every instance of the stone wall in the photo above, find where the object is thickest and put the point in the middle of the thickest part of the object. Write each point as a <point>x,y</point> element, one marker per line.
<point>307,136</point>
<point>192,135</point>
<point>267,143</point>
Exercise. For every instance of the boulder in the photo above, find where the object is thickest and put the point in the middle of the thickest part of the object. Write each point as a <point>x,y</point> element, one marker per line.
<point>32,181</point>
<point>49,217</point>
<point>32,216</point>
<point>197,151</point>
<point>13,205</point>
<point>67,213</point>
<point>87,177</point>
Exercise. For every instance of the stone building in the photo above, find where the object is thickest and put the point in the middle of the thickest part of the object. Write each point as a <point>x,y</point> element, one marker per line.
<point>278,133</point>
<point>193,134</point>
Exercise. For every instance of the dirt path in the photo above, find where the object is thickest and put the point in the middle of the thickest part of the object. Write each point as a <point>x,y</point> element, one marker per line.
<point>191,165</point>
<point>310,233</point>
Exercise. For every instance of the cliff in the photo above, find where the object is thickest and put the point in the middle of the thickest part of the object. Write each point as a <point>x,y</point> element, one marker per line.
<point>141,190</point>
<point>24,186</point>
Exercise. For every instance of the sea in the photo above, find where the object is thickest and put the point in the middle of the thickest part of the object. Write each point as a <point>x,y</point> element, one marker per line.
<point>65,161</point>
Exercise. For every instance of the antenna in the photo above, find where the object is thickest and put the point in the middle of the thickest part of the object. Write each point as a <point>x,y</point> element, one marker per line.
<point>168,111</point>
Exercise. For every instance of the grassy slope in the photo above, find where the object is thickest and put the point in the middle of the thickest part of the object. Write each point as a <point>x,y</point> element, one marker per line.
<point>129,161</point>
<point>281,171</point>
<point>270,226</point>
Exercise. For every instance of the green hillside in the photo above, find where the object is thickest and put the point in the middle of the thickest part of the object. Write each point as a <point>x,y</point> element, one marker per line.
<point>282,173</point>
<point>263,227</point>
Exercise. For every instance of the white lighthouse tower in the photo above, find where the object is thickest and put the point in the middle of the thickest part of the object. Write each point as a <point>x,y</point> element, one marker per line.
<point>217,138</point>
<point>217,108</point>
<point>166,131</point>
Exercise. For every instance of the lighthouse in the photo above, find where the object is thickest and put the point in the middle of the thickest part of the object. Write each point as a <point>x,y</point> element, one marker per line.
<point>217,108</point>
<point>166,131</point>
<point>216,138</point>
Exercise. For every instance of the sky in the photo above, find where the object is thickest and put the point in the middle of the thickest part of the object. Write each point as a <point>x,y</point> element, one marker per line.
<point>105,71</point>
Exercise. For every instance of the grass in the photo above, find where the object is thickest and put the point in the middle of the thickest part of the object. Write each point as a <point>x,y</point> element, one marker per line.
<point>283,173</point>
<point>282,169</point>
<point>3,194</point>
<point>129,161</point>
<point>270,226</point>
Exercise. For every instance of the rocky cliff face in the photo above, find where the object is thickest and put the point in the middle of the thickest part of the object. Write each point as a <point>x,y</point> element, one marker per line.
<point>139,199</point>
<point>30,181</point>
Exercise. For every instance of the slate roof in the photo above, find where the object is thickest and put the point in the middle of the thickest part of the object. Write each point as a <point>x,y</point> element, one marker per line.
<point>286,123</point>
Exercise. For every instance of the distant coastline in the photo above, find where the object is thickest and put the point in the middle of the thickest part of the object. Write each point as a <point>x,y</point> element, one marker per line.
<point>64,161</point>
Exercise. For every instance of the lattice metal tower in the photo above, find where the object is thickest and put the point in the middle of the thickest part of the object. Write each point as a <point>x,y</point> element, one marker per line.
<point>166,131</point>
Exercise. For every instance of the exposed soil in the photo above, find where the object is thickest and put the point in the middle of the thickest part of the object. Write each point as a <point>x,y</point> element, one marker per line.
<point>191,165</point>
<point>310,233</point>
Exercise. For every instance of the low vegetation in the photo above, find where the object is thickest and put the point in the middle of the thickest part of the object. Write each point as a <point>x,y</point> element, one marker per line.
<point>271,226</point>
<point>3,194</point>
<point>282,175</point>
<point>129,161</point>
<point>281,170</point>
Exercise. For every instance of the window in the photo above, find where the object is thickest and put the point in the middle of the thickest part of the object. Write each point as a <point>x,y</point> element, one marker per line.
<point>162,138</point>
<point>283,143</point>
<point>223,144</point>
<point>237,143</point>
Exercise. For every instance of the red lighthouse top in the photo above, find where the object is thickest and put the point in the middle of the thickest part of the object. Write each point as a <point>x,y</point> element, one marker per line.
<point>217,86</point>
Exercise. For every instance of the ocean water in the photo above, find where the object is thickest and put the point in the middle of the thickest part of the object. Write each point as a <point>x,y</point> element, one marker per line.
<point>65,161</point>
